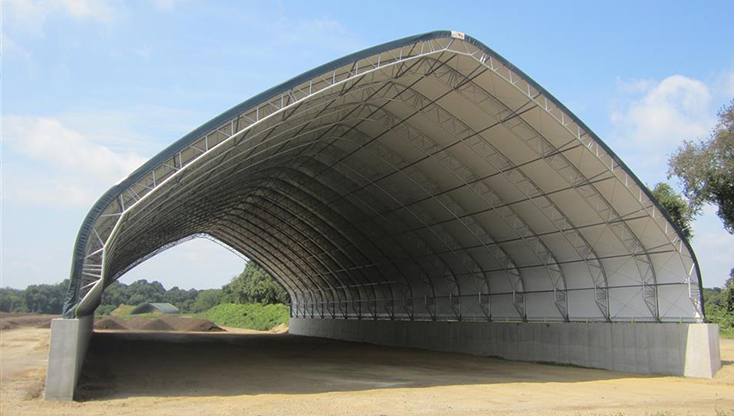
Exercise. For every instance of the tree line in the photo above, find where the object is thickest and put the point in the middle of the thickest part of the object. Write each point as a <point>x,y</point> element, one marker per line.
<point>253,285</point>
<point>719,305</point>
<point>48,299</point>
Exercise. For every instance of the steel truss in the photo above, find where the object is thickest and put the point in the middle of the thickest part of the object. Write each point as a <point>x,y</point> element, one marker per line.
<point>385,187</point>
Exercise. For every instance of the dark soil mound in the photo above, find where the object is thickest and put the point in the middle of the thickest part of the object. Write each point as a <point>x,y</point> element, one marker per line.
<point>157,325</point>
<point>164,323</point>
<point>137,322</point>
<point>190,324</point>
<point>17,320</point>
<point>177,322</point>
<point>7,324</point>
<point>203,325</point>
<point>110,323</point>
<point>10,314</point>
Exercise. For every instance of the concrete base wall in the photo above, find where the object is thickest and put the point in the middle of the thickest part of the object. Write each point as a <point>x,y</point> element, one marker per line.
<point>66,352</point>
<point>690,350</point>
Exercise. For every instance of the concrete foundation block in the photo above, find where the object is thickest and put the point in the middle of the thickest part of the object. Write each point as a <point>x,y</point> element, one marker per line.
<point>702,357</point>
<point>690,350</point>
<point>66,352</point>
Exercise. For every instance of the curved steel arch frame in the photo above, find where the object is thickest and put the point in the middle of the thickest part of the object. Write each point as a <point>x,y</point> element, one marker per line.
<point>426,178</point>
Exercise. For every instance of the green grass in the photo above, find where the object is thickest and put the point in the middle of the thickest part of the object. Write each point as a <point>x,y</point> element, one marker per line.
<point>110,310</point>
<point>153,315</point>
<point>252,316</point>
<point>727,333</point>
<point>123,312</point>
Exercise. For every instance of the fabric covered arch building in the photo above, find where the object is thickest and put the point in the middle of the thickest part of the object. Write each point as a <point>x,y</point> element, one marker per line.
<point>425,179</point>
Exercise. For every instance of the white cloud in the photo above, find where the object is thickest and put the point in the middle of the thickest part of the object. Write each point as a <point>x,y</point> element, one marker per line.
<point>48,140</point>
<point>11,48</point>
<point>66,168</point>
<point>197,263</point>
<point>655,118</point>
<point>143,127</point>
<point>52,191</point>
<point>31,15</point>
<point>668,111</point>
<point>84,9</point>
<point>168,5</point>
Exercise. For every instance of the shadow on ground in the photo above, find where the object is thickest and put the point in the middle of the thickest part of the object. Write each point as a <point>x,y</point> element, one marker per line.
<point>126,364</point>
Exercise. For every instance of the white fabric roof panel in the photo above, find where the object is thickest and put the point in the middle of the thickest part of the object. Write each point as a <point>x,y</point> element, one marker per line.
<point>426,178</point>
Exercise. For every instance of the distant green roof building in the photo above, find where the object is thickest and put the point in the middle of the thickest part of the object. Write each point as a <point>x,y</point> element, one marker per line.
<point>155,308</point>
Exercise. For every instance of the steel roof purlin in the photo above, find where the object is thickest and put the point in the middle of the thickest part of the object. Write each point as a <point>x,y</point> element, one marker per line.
<point>423,179</point>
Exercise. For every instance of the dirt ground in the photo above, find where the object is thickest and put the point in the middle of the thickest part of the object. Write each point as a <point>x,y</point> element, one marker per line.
<point>15,320</point>
<point>245,372</point>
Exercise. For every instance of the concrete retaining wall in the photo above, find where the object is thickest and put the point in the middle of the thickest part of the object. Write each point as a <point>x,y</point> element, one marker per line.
<point>66,352</point>
<point>690,350</point>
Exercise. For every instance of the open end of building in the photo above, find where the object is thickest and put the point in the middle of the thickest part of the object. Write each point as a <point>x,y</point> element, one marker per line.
<point>423,193</point>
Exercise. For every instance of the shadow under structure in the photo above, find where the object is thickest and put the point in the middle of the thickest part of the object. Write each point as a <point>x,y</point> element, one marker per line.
<point>424,192</point>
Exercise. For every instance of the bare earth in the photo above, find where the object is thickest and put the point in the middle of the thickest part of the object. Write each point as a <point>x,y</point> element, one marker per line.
<point>245,372</point>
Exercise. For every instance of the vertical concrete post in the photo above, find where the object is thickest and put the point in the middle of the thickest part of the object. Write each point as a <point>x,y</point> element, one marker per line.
<point>66,351</point>
<point>702,351</point>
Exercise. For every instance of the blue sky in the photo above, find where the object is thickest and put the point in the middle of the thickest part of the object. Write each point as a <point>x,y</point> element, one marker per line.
<point>92,88</point>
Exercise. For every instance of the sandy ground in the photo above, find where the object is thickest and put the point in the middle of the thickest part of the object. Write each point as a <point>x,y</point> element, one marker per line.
<point>245,372</point>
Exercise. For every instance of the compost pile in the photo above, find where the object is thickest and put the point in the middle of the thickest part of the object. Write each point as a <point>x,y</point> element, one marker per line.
<point>163,323</point>
<point>20,320</point>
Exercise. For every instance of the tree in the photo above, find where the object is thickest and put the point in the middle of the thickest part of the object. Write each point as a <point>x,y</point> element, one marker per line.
<point>676,206</point>
<point>115,294</point>
<point>706,168</point>
<point>254,285</point>
<point>183,299</point>
<point>104,310</point>
<point>45,298</point>
<point>11,300</point>
<point>206,300</point>
<point>141,292</point>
